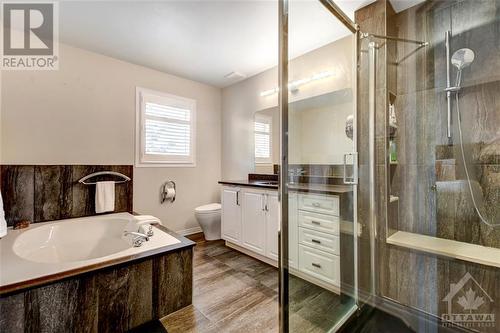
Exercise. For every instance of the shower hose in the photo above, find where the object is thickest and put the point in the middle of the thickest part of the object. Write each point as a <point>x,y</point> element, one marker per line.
<point>466,169</point>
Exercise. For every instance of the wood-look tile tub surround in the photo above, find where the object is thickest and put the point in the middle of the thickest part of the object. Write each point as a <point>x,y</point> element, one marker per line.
<point>112,296</point>
<point>40,193</point>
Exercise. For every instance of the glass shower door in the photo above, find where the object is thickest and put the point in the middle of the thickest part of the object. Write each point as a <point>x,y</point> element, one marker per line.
<point>318,172</point>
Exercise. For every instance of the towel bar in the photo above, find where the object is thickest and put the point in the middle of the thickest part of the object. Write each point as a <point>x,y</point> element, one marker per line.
<point>100,173</point>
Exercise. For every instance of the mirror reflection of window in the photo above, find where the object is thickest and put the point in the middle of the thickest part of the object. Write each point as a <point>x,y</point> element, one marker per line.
<point>263,139</point>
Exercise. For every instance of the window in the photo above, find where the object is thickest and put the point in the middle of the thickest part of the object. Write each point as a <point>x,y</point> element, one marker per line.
<point>262,134</point>
<point>165,129</point>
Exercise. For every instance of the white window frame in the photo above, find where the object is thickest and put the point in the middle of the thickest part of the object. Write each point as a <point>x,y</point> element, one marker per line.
<point>159,160</point>
<point>269,120</point>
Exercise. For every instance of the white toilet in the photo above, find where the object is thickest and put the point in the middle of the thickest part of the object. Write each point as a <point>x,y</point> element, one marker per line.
<point>208,217</point>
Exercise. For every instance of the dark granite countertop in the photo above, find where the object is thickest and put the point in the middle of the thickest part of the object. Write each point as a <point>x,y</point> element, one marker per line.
<point>300,187</point>
<point>251,183</point>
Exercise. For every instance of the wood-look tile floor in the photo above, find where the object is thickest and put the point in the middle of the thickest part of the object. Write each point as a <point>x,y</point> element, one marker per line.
<point>233,292</point>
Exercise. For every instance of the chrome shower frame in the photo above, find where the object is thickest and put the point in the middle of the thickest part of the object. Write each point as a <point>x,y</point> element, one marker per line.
<point>447,37</point>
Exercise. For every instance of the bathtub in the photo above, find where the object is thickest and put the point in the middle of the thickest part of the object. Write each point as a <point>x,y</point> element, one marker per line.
<point>47,251</point>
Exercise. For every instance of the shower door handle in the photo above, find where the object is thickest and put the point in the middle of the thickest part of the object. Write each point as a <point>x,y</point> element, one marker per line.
<point>353,180</point>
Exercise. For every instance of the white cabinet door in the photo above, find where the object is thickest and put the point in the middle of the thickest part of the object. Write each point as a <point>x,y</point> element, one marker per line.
<point>231,214</point>
<point>254,221</point>
<point>293,239</point>
<point>272,224</point>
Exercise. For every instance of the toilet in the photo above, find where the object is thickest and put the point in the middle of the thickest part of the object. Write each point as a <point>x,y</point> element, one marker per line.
<point>208,217</point>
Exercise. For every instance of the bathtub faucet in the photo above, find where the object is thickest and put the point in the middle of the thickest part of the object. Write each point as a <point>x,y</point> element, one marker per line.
<point>137,238</point>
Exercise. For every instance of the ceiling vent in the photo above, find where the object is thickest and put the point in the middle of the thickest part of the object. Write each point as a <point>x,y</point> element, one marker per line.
<point>235,76</point>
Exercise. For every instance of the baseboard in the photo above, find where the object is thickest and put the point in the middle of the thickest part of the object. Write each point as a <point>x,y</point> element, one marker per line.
<point>189,231</point>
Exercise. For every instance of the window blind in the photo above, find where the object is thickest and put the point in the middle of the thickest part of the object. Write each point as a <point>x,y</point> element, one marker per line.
<point>166,129</point>
<point>262,134</point>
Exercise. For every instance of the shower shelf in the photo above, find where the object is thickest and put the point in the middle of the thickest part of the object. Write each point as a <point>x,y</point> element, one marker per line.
<point>478,254</point>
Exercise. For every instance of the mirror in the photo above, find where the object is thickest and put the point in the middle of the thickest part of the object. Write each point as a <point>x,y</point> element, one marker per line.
<point>317,128</point>
<point>319,131</point>
<point>266,139</point>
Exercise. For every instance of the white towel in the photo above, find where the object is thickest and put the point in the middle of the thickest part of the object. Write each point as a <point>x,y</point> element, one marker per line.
<point>146,219</point>
<point>3,223</point>
<point>105,197</point>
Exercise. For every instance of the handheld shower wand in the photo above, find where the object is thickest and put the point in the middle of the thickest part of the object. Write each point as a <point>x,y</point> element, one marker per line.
<point>461,59</point>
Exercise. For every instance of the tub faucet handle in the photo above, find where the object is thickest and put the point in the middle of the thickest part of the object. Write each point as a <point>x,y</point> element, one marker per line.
<point>150,232</point>
<point>146,229</point>
<point>137,239</point>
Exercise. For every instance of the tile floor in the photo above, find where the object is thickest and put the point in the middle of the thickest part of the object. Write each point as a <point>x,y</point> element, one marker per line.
<point>233,292</point>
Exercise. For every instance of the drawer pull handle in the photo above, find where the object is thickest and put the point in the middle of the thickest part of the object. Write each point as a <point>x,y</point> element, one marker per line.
<point>316,265</point>
<point>316,222</point>
<point>316,204</point>
<point>316,241</point>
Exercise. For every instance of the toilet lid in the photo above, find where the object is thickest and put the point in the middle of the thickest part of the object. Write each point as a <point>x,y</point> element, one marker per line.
<point>208,208</point>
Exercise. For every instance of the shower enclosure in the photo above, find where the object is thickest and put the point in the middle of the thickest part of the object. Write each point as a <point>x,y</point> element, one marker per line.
<point>391,155</point>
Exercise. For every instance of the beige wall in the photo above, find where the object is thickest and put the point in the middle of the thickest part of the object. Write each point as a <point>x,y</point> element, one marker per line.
<point>240,101</point>
<point>84,113</point>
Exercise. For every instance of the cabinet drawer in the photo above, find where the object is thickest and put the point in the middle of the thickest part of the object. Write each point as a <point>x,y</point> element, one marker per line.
<point>319,264</point>
<point>319,240</point>
<point>324,204</point>
<point>319,222</point>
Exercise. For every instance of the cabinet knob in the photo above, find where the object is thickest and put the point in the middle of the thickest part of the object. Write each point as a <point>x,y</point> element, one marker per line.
<point>316,265</point>
<point>316,241</point>
<point>316,222</point>
<point>316,204</point>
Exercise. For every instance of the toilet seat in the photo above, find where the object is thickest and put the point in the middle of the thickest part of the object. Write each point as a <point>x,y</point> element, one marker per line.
<point>207,209</point>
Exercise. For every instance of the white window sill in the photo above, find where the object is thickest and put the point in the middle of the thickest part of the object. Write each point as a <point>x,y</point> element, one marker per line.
<point>478,254</point>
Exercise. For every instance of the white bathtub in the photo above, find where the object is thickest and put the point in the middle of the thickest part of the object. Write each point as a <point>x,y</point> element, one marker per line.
<point>50,248</point>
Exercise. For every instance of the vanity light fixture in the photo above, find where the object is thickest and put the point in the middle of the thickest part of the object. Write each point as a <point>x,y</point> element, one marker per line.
<point>294,85</point>
<point>269,92</point>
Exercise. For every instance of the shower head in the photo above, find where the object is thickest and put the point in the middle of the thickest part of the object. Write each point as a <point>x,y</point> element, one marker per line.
<point>461,59</point>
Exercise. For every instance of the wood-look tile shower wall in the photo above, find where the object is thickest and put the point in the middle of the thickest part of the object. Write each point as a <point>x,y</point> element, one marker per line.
<point>39,193</point>
<point>429,177</point>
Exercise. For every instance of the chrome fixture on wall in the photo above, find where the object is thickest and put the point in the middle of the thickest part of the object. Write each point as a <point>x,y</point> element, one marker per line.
<point>102,173</point>
<point>461,59</point>
<point>168,191</point>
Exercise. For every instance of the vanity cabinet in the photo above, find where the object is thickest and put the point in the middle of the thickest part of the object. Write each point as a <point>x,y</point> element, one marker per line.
<point>250,220</point>
<point>251,224</point>
<point>272,224</point>
<point>318,243</point>
<point>293,240</point>
<point>254,220</point>
<point>231,214</point>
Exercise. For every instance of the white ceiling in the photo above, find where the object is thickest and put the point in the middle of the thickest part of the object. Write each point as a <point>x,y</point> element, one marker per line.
<point>201,40</point>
